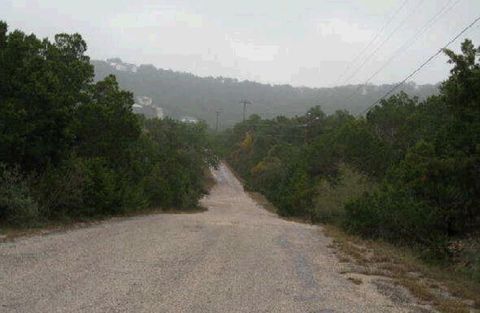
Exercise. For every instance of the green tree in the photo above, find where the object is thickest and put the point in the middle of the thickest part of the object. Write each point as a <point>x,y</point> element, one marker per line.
<point>106,126</point>
<point>41,84</point>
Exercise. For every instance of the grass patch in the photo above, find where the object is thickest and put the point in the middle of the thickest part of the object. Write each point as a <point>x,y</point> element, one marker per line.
<point>452,306</point>
<point>440,286</point>
<point>417,288</point>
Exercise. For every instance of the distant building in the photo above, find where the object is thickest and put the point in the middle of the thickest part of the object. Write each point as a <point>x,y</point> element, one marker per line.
<point>189,119</point>
<point>119,65</point>
<point>137,109</point>
<point>144,105</point>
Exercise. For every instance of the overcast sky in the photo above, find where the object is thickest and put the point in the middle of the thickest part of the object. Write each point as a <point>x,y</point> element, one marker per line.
<point>300,42</point>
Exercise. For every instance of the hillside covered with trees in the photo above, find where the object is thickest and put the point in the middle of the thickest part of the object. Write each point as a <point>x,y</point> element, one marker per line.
<point>408,172</point>
<point>71,147</point>
<point>182,94</point>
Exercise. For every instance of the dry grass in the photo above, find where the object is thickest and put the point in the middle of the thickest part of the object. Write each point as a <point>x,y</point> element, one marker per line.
<point>417,288</point>
<point>444,289</point>
<point>452,306</point>
<point>356,281</point>
<point>262,201</point>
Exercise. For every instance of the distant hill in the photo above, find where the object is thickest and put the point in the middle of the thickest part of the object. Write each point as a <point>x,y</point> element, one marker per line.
<point>183,95</point>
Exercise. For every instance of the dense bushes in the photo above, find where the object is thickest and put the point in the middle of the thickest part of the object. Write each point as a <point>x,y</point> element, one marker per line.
<point>72,148</point>
<point>433,192</point>
<point>16,204</point>
<point>331,197</point>
<point>408,172</point>
<point>395,215</point>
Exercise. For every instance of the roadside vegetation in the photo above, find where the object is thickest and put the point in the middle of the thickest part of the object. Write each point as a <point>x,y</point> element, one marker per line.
<point>71,148</point>
<point>407,173</point>
<point>394,269</point>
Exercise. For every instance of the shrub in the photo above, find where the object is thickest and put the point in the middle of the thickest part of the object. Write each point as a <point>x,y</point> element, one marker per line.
<point>396,216</point>
<point>131,195</point>
<point>157,188</point>
<point>294,195</point>
<point>60,190</point>
<point>329,202</point>
<point>101,194</point>
<point>17,206</point>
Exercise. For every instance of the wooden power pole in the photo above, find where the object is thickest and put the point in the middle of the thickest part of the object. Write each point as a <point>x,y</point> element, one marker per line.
<point>245,102</point>
<point>216,125</point>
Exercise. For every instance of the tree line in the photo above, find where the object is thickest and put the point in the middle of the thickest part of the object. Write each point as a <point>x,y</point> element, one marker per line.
<point>71,147</point>
<point>183,94</point>
<point>408,172</point>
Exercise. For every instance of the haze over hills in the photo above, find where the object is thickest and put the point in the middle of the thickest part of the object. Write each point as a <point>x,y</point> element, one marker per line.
<point>183,95</point>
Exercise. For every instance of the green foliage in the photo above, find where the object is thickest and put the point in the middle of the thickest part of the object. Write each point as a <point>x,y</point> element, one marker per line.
<point>106,125</point>
<point>183,155</point>
<point>424,158</point>
<point>84,151</point>
<point>330,198</point>
<point>295,195</point>
<point>433,192</point>
<point>17,206</point>
<point>397,216</point>
<point>41,83</point>
<point>59,190</point>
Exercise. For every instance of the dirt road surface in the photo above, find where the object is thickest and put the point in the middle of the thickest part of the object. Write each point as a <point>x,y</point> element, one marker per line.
<point>235,257</point>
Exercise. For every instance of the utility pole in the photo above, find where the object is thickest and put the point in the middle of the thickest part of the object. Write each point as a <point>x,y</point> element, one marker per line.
<point>216,125</point>
<point>245,102</point>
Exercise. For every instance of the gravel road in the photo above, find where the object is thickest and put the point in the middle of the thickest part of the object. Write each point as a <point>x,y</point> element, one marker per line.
<point>235,257</point>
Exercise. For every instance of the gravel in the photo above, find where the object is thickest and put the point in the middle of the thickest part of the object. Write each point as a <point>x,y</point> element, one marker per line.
<point>235,257</point>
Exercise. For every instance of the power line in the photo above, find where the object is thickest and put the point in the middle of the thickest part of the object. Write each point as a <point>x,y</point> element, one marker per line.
<point>380,31</point>
<point>409,42</point>
<point>422,65</point>
<point>417,35</point>
<point>371,55</point>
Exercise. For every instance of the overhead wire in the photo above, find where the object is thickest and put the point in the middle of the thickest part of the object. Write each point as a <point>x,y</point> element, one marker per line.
<point>447,7</point>
<point>414,38</point>
<point>418,69</point>
<point>390,19</point>
<point>375,51</point>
